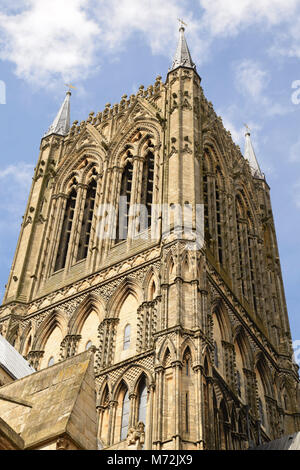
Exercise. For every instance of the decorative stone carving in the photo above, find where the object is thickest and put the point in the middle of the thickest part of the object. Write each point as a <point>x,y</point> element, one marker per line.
<point>136,437</point>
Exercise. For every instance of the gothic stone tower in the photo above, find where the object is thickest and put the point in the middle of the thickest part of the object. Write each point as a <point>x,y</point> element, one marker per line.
<point>195,345</point>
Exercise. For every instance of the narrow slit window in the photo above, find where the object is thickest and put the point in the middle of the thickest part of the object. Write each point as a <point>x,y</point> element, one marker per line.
<point>143,402</point>
<point>124,204</point>
<point>125,416</point>
<point>147,187</point>
<point>127,332</point>
<point>66,231</point>
<point>186,412</point>
<point>87,220</point>
<point>219,225</point>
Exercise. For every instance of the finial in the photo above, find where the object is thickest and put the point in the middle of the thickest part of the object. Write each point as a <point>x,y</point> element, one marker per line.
<point>69,90</point>
<point>182,57</point>
<point>251,157</point>
<point>182,24</point>
<point>248,130</point>
<point>61,124</point>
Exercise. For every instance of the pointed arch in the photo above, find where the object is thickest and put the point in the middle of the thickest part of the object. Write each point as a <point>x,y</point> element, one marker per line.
<point>219,312</point>
<point>128,286</point>
<point>187,267</point>
<point>123,306</point>
<point>215,154</point>
<point>92,303</point>
<point>241,338</point>
<point>147,185</point>
<point>80,165</point>
<point>103,406</point>
<point>207,366</point>
<point>103,392</point>
<point>151,284</point>
<point>188,345</point>
<point>121,396</point>
<point>66,229</point>
<point>166,345</point>
<point>145,127</point>
<point>125,200</point>
<point>142,399</point>
<point>263,371</point>
<point>167,358</point>
<point>54,320</point>
<point>49,337</point>
<point>87,219</point>
<point>171,270</point>
<point>13,335</point>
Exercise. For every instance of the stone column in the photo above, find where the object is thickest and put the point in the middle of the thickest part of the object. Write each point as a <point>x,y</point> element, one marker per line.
<point>158,410</point>
<point>69,346</point>
<point>34,358</point>
<point>149,417</point>
<point>100,412</point>
<point>199,412</point>
<point>113,405</point>
<point>133,410</point>
<point>177,366</point>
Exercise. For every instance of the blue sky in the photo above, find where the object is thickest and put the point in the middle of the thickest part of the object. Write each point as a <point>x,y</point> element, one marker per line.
<point>247,53</point>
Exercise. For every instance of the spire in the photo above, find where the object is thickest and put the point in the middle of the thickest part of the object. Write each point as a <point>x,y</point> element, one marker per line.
<point>251,157</point>
<point>61,124</point>
<point>182,57</point>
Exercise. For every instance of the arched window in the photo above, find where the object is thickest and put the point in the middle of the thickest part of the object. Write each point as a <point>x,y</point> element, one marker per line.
<point>239,383</point>
<point>51,361</point>
<point>125,195</point>
<point>216,355</point>
<point>187,363</point>
<point>261,382</point>
<point>213,210</point>
<point>239,227</point>
<point>152,290</point>
<point>147,185</point>
<point>252,266</point>
<point>125,416</point>
<point>127,332</point>
<point>205,197</point>
<point>187,412</point>
<point>66,231</point>
<point>89,344</point>
<point>86,226</point>
<point>219,225</point>
<point>142,414</point>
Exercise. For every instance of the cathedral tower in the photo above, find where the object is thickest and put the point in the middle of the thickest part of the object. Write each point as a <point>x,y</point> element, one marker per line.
<point>193,340</point>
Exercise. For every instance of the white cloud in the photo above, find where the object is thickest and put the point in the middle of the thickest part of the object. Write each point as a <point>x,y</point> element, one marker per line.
<point>238,132</point>
<point>251,79</point>
<point>295,152</point>
<point>51,39</point>
<point>296,194</point>
<point>67,40</point>
<point>21,173</point>
<point>15,183</point>
<point>229,17</point>
<point>155,19</point>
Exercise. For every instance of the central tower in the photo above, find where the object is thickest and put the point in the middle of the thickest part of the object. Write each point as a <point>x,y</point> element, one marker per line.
<point>193,345</point>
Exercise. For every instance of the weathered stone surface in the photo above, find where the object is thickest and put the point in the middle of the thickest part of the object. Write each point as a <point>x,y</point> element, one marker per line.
<point>62,402</point>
